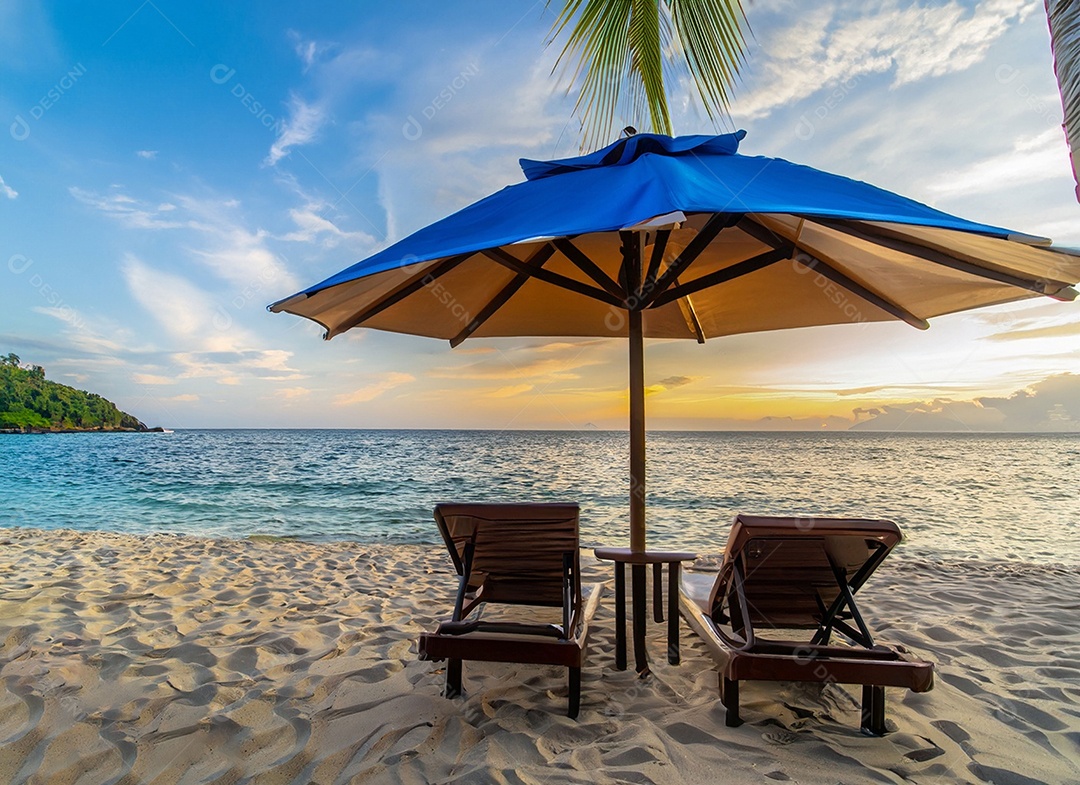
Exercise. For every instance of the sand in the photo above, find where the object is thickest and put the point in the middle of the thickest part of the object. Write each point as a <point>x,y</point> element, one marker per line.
<point>180,660</point>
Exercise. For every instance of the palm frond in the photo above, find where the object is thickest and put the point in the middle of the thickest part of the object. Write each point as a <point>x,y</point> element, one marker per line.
<point>623,61</point>
<point>598,40</point>
<point>711,34</point>
<point>1064,17</point>
<point>645,46</point>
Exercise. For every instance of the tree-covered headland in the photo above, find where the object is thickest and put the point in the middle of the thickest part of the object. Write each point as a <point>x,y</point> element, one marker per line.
<point>30,402</point>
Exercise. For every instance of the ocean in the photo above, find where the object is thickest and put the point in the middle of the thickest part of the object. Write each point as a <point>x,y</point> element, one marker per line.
<point>985,497</point>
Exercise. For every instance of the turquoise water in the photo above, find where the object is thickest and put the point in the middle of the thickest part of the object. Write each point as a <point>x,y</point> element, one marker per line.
<point>1012,498</point>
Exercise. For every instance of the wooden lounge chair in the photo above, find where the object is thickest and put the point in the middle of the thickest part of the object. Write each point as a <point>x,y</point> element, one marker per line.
<point>518,555</point>
<point>800,574</point>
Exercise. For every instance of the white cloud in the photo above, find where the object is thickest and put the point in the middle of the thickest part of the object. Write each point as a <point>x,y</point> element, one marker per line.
<point>185,398</point>
<point>291,393</point>
<point>510,391</point>
<point>229,249</point>
<point>313,226</point>
<point>149,378</point>
<point>439,158</point>
<point>219,349</point>
<point>127,210</point>
<point>310,51</point>
<point>149,155</point>
<point>62,312</point>
<point>546,363</point>
<point>231,367</point>
<point>182,309</point>
<point>301,128</point>
<point>102,340</point>
<point>1032,159</point>
<point>815,49</point>
<point>241,257</point>
<point>369,392</point>
<point>1050,405</point>
<point>7,190</point>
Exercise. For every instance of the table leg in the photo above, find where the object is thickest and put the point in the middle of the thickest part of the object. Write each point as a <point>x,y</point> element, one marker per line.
<point>673,614</point>
<point>620,616</point>
<point>641,659</point>
<point>658,592</point>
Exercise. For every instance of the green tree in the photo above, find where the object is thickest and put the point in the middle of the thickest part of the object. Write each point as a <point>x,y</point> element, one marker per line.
<point>29,400</point>
<point>627,52</point>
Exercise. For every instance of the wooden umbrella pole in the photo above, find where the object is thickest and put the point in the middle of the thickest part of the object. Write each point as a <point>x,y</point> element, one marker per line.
<point>637,433</point>
<point>637,486</point>
<point>630,276</point>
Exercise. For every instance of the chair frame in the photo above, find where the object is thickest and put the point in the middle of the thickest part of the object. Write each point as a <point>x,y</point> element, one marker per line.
<point>461,638</point>
<point>748,656</point>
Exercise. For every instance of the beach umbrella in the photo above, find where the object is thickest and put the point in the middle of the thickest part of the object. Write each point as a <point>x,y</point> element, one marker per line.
<point>662,237</point>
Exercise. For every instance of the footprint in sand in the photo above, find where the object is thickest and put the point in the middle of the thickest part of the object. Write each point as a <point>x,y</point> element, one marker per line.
<point>780,736</point>
<point>921,756</point>
<point>690,734</point>
<point>952,730</point>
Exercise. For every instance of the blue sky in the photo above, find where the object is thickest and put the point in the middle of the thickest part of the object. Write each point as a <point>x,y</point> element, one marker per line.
<point>167,169</point>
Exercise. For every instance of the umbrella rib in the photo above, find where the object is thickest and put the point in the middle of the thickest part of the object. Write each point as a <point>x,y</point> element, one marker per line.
<point>588,266</point>
<point>736,270</point>
<point>537,260</point>
<point>897,242</point>
<point>659,247</point>
<point>396,296</point>
<point>824,268</point>
<point>686,307</point>
<point>762,234</point>
<point>716,224</point>
<point>827,268</point>
<point>518,266</point>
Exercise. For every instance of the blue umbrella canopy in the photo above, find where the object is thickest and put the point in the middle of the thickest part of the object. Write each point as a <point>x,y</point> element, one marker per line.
<point>726,243</point>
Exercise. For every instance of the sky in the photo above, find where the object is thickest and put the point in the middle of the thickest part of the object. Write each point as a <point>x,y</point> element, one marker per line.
<point>168,168</point>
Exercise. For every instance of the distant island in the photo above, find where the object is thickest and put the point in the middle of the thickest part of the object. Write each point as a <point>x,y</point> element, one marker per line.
<point>30,403</point>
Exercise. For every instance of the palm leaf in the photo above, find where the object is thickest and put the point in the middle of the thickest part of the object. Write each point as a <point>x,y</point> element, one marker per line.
<point>626,53</point>
<point>714,47</point>
<point>1064,17</point>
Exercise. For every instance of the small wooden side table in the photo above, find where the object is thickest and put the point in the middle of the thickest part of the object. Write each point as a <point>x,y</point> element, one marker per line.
<point>637,561</point>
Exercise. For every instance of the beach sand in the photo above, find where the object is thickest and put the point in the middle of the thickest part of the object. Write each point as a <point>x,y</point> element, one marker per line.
<point>169,659</point>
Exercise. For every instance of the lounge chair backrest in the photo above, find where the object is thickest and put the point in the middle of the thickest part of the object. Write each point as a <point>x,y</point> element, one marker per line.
<point>518,549</point>
<point>789,565</point>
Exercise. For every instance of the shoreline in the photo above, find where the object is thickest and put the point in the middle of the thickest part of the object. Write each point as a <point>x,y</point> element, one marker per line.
<point>140,656</point>
<point>44,431</point>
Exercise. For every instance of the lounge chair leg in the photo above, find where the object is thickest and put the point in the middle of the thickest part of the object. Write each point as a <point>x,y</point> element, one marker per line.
<point>873,710</point>
<point>658,592</point>
<point>620,616</point>
<point>639,605</point>
<point>729,696</point>
<point>575,693</point>
<point>673,614</point>
<point>453,678</point>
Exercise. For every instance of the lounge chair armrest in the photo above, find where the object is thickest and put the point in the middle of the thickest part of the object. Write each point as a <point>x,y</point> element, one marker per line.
<point>739,585</point>
<point>590,601</point>
<point>568,593</point>
<point>463,585</point>
<point>509,627</point>
<point>733,641</point>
